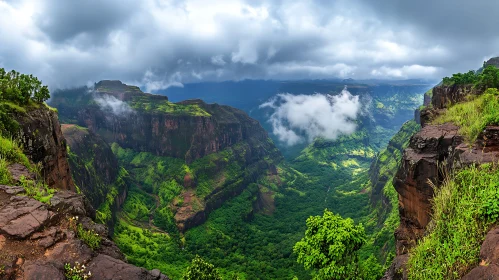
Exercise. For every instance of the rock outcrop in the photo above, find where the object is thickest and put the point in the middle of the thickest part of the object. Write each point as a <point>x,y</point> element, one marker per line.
<point>36,241</point>
<point>43,142</point>
<point>432,153</point>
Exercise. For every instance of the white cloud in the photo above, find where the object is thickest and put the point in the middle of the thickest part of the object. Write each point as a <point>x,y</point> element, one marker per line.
<point>299,118</point>
<point>109,102</point>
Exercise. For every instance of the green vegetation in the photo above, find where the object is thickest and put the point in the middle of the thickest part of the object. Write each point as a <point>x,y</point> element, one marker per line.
<point>201,270</point>
<point>330,246</point>
<point>149,104</point>
<point>89,237</point>
<point>472,116</point>
<point>5,176</point>
<point>21,88</point>
<point>37,189</point>
<point>488,78</point>
<point>104,213</point>
<point>464,209</point>
<point>76,272</point>
<point>11,152</point>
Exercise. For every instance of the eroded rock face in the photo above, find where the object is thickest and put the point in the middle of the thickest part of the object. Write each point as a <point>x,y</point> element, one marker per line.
<point>431,154</point>
<point>185,135</point>
<point>93,164</point>
<point>36,242</point>
<point>43,142</point>
<point>419,169</point>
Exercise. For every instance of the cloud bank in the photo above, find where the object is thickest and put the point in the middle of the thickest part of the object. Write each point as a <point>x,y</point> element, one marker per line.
<point>299,118</point>
<point>162,43</point>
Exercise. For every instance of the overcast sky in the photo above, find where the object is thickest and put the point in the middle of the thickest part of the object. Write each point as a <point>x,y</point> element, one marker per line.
<point>159,43</point>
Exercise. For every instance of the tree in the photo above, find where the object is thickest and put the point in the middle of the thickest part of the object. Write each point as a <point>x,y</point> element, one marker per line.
<point>201,270</point>
<point>41,95</point>
<point>330,246</point>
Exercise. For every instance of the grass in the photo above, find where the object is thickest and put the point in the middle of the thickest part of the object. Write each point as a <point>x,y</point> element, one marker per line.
<point>145,103</point>
<point>89,237</point>
<point>474,115</point>
<point>5,176</point>
<point>37,190</point>
<point>10,151</point>
<point>464,208</point>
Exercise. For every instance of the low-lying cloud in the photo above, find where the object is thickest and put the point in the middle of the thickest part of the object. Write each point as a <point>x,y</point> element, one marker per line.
<point>300,118</point>
<point>116,106</point>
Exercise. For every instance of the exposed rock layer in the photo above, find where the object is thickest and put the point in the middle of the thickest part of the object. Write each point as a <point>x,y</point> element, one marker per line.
<point>36,242</point>
<point>432,153</point>
<point>43,142</point>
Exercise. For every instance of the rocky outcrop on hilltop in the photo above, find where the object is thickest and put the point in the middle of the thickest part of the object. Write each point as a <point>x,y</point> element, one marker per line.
<point>36,241</point>
<point>432,153</point>
<point>42,140</point>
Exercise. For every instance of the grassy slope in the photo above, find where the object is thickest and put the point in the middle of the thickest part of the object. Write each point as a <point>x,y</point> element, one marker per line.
<point>464,208</point>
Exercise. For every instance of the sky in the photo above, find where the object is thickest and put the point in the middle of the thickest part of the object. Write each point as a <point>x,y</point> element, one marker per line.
<point>160,43</point>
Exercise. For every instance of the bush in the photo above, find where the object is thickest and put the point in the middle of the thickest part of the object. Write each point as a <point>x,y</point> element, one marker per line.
<point>76,272</point>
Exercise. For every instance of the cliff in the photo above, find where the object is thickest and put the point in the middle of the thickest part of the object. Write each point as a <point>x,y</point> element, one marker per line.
<point>385,165</point>
<point>211,152</point>
<point>47,230</point>
<point>96,172</point>
<point>150,123</point>
<point>93,164</point>
<point>41,138</point>
<point>437,150</point>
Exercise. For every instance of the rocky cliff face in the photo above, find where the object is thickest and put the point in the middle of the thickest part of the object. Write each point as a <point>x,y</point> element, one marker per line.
<point>37,240</point>
<point>43,142</point>
<point>432,153</point>
<point>224,137</point>
<point>93,164</point>
<point>385,165</point>
<point>150,123</point>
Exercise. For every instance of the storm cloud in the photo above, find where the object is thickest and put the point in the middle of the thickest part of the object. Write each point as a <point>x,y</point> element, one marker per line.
<point>161,43</point>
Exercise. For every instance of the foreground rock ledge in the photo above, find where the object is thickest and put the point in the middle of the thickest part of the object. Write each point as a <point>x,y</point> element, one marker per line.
<point>35,242</point>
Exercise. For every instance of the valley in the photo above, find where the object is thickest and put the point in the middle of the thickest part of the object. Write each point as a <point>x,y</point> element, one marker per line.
<point>228,195</point>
